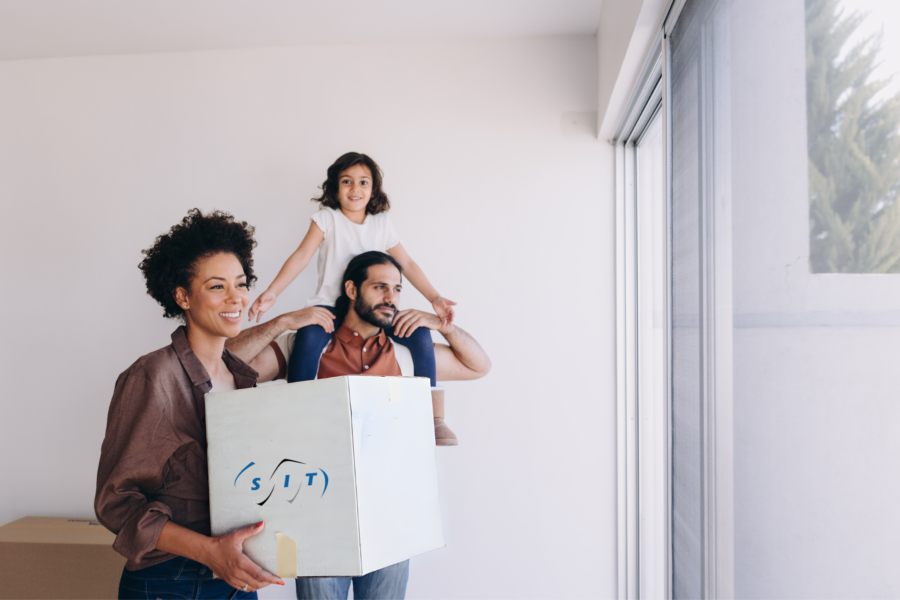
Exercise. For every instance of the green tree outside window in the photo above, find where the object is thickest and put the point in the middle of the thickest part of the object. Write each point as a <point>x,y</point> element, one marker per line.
<point>854,148</point>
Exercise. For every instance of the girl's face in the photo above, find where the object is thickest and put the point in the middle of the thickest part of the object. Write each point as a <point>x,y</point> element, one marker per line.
<point>218,296</point>
<point>355,188</point>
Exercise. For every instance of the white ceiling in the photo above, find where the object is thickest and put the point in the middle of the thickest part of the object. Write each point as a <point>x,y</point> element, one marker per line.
<point>50,28</point>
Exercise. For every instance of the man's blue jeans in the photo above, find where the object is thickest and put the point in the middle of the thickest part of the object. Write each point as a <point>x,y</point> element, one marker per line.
<point>177,578</point>
<point>388,583</point>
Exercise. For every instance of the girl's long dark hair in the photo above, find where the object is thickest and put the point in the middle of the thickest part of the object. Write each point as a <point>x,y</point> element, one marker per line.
<point>378,201</point>
<point>357,272</point>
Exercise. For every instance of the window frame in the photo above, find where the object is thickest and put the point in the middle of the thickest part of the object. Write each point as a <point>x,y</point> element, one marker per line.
<point>652,96</point>
<point>645,104</point>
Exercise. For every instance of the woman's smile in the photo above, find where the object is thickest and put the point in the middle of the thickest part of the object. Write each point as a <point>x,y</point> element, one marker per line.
<point>219,294</point>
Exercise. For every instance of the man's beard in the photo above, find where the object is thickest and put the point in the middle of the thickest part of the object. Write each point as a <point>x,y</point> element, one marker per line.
<point>370,314</point>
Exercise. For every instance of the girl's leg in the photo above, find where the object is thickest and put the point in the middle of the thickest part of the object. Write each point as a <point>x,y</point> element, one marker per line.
<point>308,345</point>
<point>421,347</point>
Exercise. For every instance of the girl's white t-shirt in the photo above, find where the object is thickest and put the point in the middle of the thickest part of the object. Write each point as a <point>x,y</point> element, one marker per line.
<point>344,239</point>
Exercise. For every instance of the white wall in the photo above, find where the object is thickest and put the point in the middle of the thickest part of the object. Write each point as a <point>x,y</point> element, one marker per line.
<point>506,204</point>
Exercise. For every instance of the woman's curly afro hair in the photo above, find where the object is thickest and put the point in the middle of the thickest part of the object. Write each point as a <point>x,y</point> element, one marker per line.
<point>171,261</point>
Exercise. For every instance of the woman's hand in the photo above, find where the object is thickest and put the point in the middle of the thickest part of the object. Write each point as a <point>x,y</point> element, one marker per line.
<point>265,301</point>
<point>444,310</point>
<point>411,319</point>
<point>228,562</point>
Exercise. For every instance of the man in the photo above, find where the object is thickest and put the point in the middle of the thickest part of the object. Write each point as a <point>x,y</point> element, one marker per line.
<point>368,303</point>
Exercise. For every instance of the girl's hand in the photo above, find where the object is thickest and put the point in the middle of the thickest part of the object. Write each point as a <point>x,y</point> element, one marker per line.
<point>311,315</point>
<point>265,301</point>
<point>444,309</point>
<point>228,561</point>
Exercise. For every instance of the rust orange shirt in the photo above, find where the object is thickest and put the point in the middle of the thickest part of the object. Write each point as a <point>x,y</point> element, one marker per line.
<point>350,354</point>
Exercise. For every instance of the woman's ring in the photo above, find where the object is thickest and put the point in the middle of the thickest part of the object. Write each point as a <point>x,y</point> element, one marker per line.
<point>244,589</point>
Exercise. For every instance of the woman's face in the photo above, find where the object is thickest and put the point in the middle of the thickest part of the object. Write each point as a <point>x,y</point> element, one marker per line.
<point>218,296</point>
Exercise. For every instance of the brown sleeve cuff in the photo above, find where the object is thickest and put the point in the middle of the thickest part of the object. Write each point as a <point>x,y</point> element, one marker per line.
<point>282,364</point>
<point>139,534</point>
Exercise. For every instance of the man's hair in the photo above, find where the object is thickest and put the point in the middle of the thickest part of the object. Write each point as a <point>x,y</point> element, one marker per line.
<point>378,201</point>
<point>358,272</point>
<point>171,261</point>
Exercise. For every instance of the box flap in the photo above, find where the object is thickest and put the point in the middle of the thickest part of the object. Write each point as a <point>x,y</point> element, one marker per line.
<point>396,469</point>
<point>57,530</point>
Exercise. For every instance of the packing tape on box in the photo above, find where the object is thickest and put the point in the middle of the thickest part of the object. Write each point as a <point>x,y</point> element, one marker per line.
<point>287,556</point>
<point>395,391</point>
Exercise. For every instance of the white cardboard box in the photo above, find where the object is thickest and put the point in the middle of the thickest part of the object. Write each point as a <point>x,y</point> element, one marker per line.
<point>342,471</point>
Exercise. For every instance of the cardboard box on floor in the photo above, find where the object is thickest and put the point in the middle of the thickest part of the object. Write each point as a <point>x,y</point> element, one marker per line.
<point>48,557</point>
<point>342,471</point>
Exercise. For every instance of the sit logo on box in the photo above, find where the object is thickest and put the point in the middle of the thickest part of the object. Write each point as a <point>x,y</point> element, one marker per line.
<point>288,477</point>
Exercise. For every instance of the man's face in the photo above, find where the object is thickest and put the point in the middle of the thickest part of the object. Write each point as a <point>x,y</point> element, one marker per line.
<point>378,297</point>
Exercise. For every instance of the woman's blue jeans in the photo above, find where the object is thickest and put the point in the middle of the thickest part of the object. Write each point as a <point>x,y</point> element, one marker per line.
<point>388,583</point>
<point>178,578</point>
<point>312,339</point>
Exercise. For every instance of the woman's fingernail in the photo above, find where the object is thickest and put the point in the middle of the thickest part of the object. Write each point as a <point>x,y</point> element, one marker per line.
<point>260,524</point>
<point>280,583</point>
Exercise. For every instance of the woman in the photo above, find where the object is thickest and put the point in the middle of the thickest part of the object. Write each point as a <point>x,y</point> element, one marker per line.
<point>152,482</point>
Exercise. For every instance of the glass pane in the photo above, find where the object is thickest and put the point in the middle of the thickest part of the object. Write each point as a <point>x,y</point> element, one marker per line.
<point>811,351</point>
<point>815,403</point>
<point>686,309</point>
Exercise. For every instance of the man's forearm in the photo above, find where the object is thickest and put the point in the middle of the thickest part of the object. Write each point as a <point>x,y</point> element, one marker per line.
<point>467,351</point>
<point>250,342</point>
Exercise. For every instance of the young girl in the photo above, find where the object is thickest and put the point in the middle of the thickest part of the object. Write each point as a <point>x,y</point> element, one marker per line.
<point>353,220</point>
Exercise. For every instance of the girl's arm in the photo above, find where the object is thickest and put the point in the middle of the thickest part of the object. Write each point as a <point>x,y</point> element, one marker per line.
<point>416,276</point>
<point>292,267</point>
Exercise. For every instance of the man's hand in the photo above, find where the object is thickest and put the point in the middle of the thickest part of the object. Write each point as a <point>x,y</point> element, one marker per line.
<point>312,315</point>
<point>411,319</point>
<point>265,301</point>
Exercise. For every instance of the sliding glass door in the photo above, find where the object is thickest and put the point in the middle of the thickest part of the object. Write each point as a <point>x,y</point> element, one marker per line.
<point>785,298</point>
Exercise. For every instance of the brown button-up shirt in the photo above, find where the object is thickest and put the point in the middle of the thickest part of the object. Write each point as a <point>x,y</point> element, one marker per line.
<point>153,464</point>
